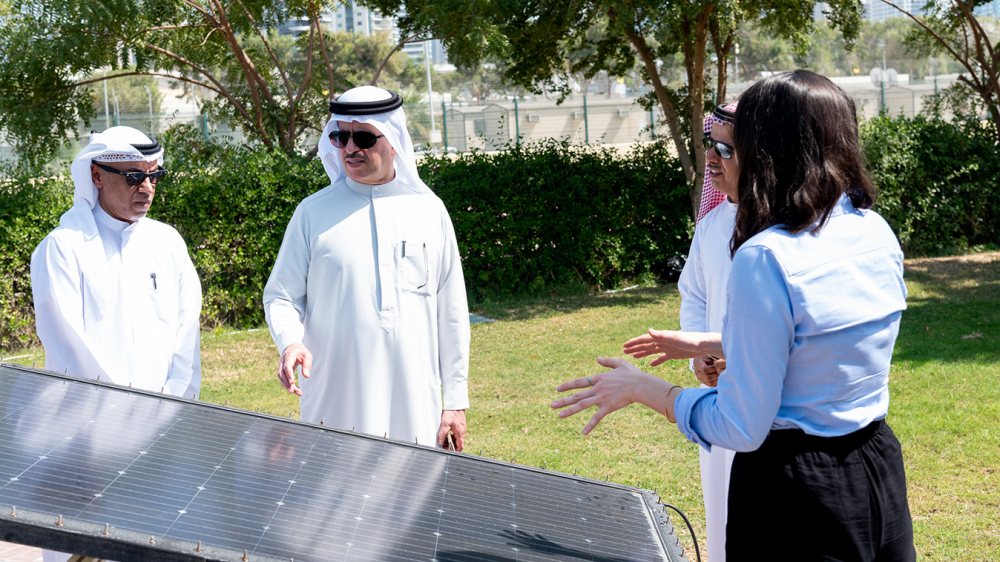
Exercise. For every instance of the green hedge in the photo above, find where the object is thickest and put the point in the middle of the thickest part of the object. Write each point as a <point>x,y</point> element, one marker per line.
<point>547,216</point>
<point>936,182</point>
<point>231,206</point>
<point>530,220</point>
<point>29,209</point>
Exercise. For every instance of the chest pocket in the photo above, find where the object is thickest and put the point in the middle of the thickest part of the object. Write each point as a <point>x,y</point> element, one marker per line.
<point>161,292</point>
<point>413,267</point>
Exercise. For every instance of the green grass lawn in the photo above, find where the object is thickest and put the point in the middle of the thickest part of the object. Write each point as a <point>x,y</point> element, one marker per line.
<point>945,397</point>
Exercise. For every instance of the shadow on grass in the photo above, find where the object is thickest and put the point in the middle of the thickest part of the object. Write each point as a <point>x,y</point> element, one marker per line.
<point>952,312</point>
<point>951,315</point>
<point>534,307</point>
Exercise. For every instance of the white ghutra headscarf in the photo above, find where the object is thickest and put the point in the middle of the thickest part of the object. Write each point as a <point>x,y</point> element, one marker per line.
<point>117,144</point>
<point>383,110</point>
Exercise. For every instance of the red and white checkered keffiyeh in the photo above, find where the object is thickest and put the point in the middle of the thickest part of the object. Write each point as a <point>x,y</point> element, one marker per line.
<point>711,197</point>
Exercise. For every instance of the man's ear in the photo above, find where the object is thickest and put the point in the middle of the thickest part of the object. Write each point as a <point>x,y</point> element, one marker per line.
<point>95,175</point>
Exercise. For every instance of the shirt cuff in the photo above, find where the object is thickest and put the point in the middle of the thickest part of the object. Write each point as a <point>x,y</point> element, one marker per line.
<point>684,406</point>
<point>456,396</point>
<point>287,338</point>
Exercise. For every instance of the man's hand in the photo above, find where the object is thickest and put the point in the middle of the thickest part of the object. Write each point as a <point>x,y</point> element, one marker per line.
<point>453,423</point>
<point>707,369</point>
<point>673,344</point>
<point>293,356</point>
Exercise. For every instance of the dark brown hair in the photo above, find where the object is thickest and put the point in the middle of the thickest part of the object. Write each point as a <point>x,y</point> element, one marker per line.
<point>796,138</point>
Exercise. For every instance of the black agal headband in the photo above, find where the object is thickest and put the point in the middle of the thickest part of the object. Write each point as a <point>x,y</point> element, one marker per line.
<point>724,115</point>
<point>394,101</point>
<point>147,149</point>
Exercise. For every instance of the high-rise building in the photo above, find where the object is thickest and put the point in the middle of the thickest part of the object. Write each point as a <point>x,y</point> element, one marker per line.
<point>877,10</point>
<point>351,17</point>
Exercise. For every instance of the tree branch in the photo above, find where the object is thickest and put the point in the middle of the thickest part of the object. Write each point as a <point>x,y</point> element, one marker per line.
<point>934,35</point>
<point>172,27</point>
<point>399,46</point>
<point>178,77</point>
<point>694,45</point>
<point>205,13</point>
<point>270,52</point>
<point>257,85</point>
<point>984,80</point>
<point>219,87</point>
<point>293,102</point>
<point>722,48</point>
<point>669,111</point>
<point>314,18</point>
<point>985,57</point>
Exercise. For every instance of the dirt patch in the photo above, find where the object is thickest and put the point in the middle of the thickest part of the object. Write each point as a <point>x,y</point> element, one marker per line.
<point>984,257</point>
<point>982,264</point>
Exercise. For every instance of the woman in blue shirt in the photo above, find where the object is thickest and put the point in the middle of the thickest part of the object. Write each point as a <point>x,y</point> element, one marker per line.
<point>814,302</point>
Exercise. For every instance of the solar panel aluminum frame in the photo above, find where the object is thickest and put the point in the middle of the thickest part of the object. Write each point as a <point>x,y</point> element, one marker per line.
<point>126,541</point>
<point>21,526</point>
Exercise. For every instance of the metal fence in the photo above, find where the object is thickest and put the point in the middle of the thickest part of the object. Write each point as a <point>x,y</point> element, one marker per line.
<point>614,120</point>
<point>580,119</point>
<point>583,119</point>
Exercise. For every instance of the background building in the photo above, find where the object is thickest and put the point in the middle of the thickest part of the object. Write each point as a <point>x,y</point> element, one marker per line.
<point>351,17</point>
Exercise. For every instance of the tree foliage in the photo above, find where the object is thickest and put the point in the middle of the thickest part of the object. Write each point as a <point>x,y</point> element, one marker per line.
<point>273,87</point>
<point>952,28</point>
<point>545,42</point>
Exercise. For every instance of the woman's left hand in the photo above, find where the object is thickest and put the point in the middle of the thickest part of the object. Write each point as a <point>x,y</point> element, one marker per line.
<point>609,391</point>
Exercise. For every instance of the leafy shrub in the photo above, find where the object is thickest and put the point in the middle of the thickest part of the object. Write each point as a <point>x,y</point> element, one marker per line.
<point>231,205</point>
<point>936,180</point>
<point>549,216</point>
<point>29,209</point>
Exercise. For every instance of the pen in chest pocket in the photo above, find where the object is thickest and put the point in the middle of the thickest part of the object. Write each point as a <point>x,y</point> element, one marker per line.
<point>427,270</point>
<point>153,277</point>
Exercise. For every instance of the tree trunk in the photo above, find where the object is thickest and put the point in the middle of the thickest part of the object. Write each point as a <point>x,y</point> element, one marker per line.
<point>670,112</point>
<point>694,62</point>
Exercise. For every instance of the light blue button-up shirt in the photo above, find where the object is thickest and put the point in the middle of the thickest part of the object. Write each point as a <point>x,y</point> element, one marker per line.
<point>808,335</point>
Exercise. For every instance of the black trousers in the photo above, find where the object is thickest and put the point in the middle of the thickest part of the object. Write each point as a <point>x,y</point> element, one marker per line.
<point>801,497</point>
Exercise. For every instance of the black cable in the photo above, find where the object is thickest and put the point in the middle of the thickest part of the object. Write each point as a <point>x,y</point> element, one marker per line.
<point>694,539</point>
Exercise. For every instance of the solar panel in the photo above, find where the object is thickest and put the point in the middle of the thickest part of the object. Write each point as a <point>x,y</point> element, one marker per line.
<point>108,472</point>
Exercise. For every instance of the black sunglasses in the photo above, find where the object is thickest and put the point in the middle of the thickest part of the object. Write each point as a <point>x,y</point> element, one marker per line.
<point>725,151</point>
<point>133,179</point>
<point>362,139</point>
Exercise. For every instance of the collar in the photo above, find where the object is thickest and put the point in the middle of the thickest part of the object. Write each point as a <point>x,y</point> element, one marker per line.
<point>107,221</point>
<point>392,187</point>
<point>843,206</point>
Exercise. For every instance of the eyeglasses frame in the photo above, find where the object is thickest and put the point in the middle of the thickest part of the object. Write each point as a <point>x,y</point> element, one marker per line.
<point>135,179</point>
<point>711,143</point>
<point>335,138</point>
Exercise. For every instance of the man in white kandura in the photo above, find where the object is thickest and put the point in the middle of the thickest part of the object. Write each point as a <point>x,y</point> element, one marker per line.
<point>116,296</point>
<point>367,295</point>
